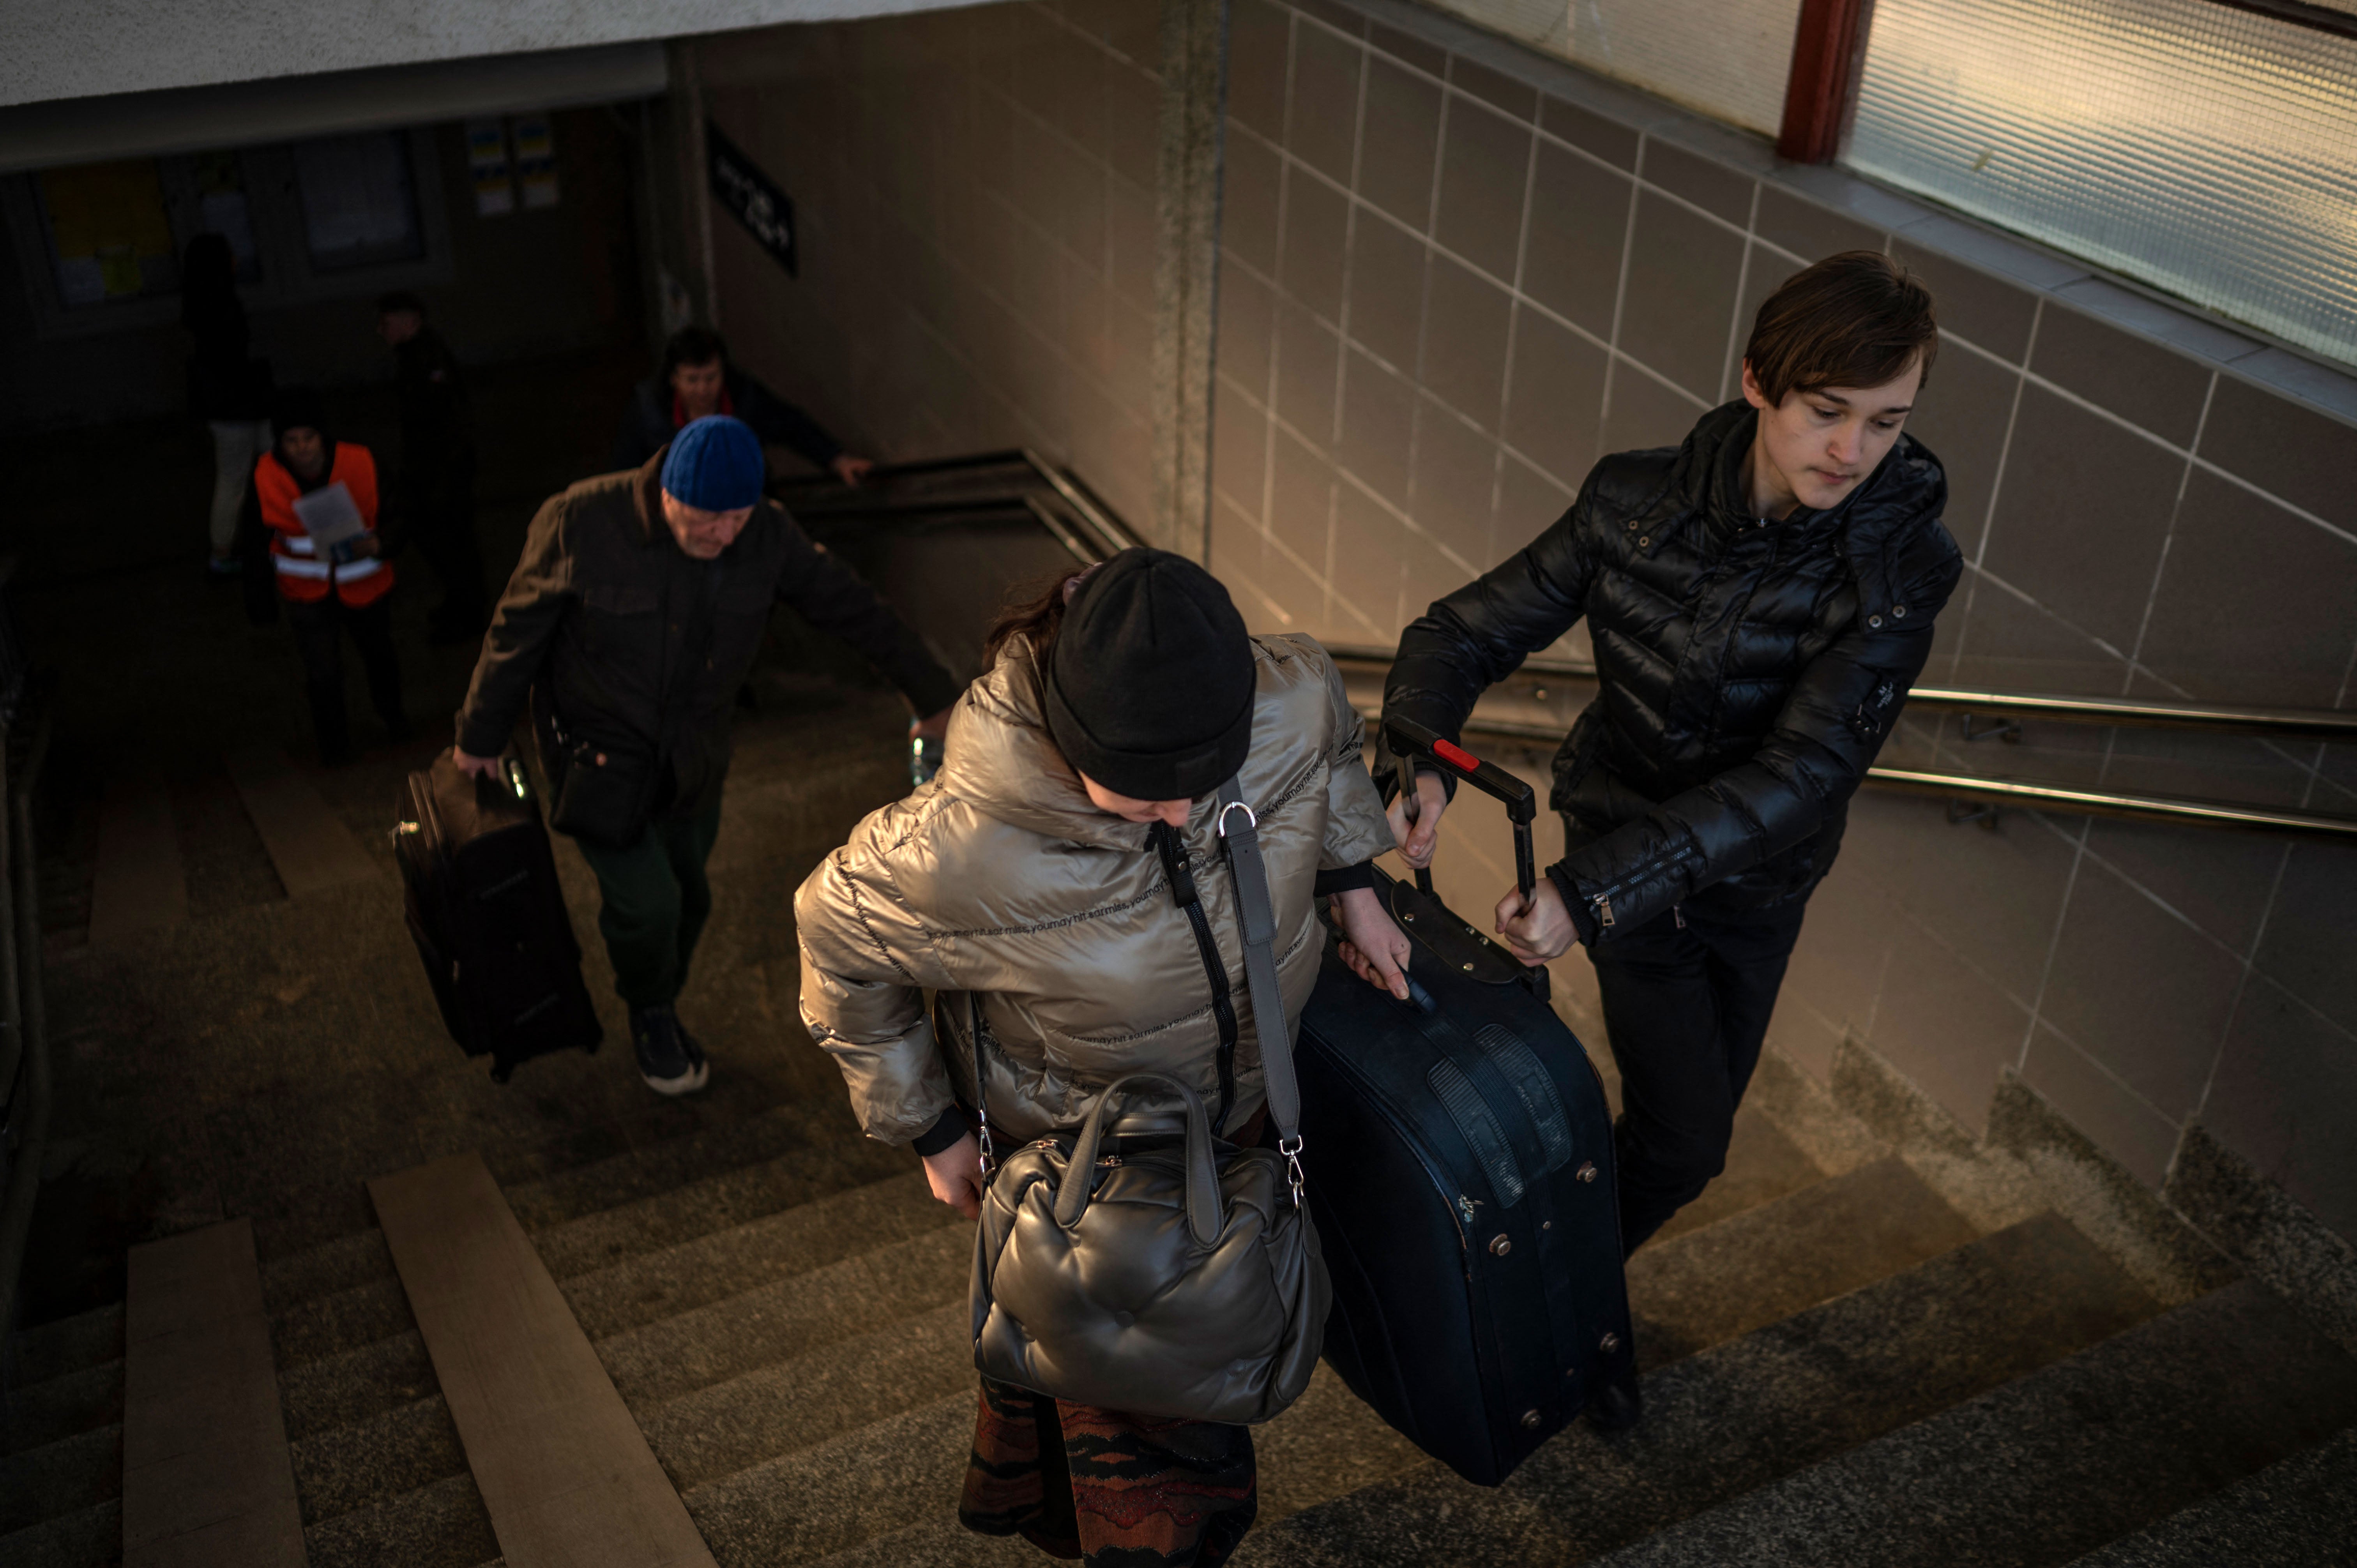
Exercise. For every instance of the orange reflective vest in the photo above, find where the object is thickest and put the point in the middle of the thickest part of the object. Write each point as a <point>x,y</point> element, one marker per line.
<point>305,575</point>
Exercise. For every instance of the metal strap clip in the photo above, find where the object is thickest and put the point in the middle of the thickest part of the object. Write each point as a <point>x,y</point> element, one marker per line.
<point>1291,1149</point>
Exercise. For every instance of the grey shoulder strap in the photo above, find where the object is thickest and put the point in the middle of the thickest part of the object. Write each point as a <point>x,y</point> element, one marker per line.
<point>1240,833</point>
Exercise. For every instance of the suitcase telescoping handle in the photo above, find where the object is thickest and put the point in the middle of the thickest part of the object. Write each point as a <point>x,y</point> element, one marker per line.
<point>1409,741</point>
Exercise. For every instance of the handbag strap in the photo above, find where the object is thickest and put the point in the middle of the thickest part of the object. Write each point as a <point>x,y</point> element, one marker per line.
<point>1181,877</point>
<point>1240,834</point>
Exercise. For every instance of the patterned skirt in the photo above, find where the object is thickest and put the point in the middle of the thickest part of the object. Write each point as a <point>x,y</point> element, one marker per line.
<point>1110,1489</point>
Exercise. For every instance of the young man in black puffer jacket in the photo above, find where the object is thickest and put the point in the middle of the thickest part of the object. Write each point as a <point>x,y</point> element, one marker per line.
<point>1759,599</point>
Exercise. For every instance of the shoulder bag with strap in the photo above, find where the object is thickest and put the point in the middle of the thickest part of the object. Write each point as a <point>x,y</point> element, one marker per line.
<point>1173,1281</point>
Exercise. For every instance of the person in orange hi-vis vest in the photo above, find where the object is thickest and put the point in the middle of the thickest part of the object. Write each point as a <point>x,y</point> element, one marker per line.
<point>333,584</point>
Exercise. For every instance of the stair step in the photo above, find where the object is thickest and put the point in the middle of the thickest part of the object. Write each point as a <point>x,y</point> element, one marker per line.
<point>206,1471</point>
<point>67,1345</point>
<point>940,1543</point>
<point>440,1526</point>
<point>2055,1464</point>
<point>807,1504</point>
<point>1763,1164</point>
<point>88,1538</point>
<point>355,1385</point>
<point>673,1163</point>
<point>559,1463</point>
<point>1742,1413</point>
<point>330,1324</point>
<point>61,1406</point>
<point>783,1243</point>
<point>1328,1445</point>
<point>1805,1247</point>
<point>787,1317</point>
<point>346,1468</point>
<point>60,1477</point>
<point>346,1261</point>
<point>701,1208</point>
<point>2296,1513</point>
<point>798,1405</point>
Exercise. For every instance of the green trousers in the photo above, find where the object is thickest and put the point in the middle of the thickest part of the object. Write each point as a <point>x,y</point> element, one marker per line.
<point>656,901</point>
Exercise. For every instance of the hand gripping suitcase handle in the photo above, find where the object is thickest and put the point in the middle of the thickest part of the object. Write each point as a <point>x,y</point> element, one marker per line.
<point>1410,741</point>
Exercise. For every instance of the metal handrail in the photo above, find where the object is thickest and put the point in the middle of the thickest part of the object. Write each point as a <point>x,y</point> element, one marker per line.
<point>2283,723</point>
<point>1111,533</point>
<point>2181,809</point>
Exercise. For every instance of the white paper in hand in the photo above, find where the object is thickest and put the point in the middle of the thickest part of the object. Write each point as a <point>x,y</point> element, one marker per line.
<point>332,519</point>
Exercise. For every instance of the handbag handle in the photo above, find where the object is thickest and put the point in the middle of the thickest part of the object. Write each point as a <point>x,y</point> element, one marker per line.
<point>1203,1177</point>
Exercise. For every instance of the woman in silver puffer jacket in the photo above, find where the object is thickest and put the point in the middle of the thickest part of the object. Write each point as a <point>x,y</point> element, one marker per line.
<point>1027,874</point>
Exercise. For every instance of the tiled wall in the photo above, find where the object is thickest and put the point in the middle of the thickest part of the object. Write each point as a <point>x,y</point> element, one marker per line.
<point>1444,292</point>
<point>974,191</point>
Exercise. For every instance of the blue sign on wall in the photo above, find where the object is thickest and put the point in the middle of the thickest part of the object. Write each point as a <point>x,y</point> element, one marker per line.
<point>751,196</point>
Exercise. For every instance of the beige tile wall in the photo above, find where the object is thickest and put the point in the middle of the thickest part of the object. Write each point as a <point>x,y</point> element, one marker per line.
<point>1443,293</point>
<point>974,191</point>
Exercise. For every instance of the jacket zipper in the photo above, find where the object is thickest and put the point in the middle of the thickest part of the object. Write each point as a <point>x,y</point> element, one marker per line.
<point>1603,902</point>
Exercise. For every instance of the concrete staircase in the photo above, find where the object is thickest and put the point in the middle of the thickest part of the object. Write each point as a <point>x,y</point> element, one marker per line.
<point>1863,1346</point>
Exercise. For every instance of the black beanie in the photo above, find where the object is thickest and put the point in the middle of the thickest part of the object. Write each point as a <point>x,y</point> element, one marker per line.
<point>298,408</point>
<point>1149,686</point>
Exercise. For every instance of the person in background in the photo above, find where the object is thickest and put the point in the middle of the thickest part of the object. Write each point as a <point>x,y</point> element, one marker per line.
<point>698,381</point>
<point>1761,599</point>
<point>634,614</point>
<point>436,492</point>
<point>227,388</point>
<point>327,599</point>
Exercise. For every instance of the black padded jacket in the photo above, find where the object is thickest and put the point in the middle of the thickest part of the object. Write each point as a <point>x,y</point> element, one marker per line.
<point>1749,670</point>
<point>643,648</point>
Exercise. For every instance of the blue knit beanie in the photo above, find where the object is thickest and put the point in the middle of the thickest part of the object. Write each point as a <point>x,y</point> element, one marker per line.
<point>715,464</point>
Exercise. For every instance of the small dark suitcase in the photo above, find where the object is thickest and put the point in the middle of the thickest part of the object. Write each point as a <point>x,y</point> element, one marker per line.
<point>1459,1152</point>
<point>481,895</point>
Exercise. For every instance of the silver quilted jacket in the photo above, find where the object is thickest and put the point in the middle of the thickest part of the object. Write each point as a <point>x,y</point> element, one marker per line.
<point>1000,878</point>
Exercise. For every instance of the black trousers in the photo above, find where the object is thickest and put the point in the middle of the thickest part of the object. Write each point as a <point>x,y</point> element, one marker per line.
<point>1686,1001</point>
<point>439,505</point>
<point>319,631</point>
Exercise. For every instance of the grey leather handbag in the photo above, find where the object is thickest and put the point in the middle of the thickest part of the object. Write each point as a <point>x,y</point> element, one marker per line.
<point>1171,1281</point>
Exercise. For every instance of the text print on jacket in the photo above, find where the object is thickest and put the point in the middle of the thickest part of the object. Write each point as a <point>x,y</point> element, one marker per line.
<point>1748,670</point>
<point>1000,877</point>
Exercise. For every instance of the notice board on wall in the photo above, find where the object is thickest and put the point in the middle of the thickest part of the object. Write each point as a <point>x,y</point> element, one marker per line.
<point>751,198</point>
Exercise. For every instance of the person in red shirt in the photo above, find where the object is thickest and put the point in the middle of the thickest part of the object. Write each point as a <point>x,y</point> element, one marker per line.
<point>332,591</point>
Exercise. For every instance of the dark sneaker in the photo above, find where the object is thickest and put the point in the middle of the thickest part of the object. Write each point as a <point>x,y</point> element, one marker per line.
<point>663,1059</point>
<point>695,1048</point>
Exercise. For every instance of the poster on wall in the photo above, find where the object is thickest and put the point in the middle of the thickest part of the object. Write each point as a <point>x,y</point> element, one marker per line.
<point>535,160</point>
<point>486,166</point>
<point>751,198</point>
<point>108,231</point>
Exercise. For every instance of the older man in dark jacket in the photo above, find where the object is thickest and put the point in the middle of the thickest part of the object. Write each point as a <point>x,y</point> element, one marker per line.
<point>1760,600</point>
<point>636,611</point>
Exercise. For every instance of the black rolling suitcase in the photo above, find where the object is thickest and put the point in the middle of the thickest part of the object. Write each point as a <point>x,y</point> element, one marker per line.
<point>481,894</point>
<point>1459,1159</point>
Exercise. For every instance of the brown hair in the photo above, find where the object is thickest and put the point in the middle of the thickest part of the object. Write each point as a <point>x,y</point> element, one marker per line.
<point>1034,611</point>
<point>1855,319</point>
